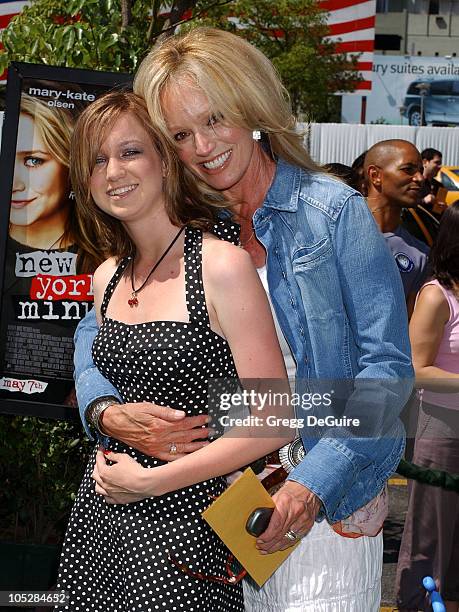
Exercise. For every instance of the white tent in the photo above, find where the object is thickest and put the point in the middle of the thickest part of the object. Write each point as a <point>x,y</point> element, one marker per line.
<point>343,142</point>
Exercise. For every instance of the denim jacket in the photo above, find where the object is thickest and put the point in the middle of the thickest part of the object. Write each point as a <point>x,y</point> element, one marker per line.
<point>339,300</point>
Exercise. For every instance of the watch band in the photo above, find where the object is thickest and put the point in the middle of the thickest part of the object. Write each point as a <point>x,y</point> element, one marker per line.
<point>97,407</point>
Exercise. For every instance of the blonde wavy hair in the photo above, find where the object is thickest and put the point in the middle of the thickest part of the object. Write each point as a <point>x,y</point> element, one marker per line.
<point>187,201</point>
<point>54,125</point>
<point>240,83</point>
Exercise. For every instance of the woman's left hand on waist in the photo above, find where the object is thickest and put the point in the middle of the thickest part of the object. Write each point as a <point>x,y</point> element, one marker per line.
<point>122,482</point>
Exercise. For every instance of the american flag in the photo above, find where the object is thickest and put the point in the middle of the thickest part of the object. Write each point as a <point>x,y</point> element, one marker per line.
<point>351,26</point>
<point>7,11</point>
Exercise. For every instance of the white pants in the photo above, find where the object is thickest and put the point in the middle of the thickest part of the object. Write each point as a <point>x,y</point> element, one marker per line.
<point>326,573</point>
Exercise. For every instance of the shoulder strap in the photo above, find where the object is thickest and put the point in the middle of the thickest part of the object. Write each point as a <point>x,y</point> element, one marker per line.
<point>110,288</point>
<point>225,229</point>
<point>194,287</point>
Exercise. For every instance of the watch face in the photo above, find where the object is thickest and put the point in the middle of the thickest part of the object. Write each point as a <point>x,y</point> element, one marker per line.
<point>291,454</point>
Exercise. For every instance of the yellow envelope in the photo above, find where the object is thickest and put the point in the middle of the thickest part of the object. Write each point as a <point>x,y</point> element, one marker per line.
<point>228,516</point>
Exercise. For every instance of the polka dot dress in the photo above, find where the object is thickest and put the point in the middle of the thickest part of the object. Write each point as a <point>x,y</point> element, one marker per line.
<point>116,558</point>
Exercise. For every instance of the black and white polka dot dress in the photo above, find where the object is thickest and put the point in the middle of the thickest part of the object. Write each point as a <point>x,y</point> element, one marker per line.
<point>116,557</point>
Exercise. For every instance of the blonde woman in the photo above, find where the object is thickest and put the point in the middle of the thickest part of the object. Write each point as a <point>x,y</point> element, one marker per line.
<point>335,293</point>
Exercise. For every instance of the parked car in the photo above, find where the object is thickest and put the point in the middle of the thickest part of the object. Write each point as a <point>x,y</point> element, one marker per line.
<point>421,223</point>
<point>448,177</point>
<point>441,102</point>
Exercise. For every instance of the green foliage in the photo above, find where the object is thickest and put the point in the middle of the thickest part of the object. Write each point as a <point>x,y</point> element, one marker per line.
<point>291,33</point>
<point>41,466</point>
<point>79,34</point>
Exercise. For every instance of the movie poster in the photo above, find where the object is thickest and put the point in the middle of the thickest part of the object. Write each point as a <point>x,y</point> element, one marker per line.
<point>47,276</point>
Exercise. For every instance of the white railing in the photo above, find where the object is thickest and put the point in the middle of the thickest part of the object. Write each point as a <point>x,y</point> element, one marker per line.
<point>343,142</point>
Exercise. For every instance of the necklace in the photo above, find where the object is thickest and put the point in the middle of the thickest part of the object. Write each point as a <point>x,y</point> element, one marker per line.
<point>249,239</point>
<point>244,244</point>
<point>134,301</point>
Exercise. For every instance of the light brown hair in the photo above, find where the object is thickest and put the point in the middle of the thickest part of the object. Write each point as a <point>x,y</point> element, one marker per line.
<point>54,125</point>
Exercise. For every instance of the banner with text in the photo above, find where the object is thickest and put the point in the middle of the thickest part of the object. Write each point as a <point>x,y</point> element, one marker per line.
<point>409,91</point>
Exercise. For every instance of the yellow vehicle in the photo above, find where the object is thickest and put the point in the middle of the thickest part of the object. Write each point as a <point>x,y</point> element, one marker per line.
<point>448,177</point>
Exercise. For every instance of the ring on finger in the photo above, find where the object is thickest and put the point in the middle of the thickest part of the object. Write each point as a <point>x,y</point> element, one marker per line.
<point>291,535</point>
<point>173,448</point>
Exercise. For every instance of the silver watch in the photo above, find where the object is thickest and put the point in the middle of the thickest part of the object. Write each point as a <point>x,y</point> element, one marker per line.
<point>97,407</point>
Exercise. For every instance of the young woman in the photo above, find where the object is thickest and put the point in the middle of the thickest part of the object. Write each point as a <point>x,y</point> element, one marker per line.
<point>177,307</point>
<point>430,544</point>
<point>328,273</point>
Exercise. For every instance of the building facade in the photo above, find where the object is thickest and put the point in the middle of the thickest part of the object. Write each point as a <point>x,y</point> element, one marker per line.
<point>417,27</point>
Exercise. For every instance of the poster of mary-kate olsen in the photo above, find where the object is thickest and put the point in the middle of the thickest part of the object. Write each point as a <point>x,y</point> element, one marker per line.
<point>46,276</point>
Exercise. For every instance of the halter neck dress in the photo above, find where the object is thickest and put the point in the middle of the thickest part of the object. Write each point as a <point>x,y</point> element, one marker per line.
<point>116,557</point>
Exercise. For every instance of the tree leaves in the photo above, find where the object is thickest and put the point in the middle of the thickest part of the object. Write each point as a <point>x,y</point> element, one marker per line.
<point>41,465</point>
<point>78,34</point>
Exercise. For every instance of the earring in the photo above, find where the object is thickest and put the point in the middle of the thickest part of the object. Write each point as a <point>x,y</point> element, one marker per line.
<point>256,135</point>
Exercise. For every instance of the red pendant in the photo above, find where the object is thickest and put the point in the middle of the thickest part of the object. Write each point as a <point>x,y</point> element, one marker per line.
<point>133,301</point>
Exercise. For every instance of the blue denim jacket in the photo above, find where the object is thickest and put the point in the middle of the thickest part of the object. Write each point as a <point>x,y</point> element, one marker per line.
<point>339,300</point>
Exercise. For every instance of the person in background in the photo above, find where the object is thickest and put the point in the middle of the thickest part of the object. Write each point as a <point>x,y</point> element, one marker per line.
<point>338,301</point>
<point>393,171</point>
<point>432,161</point>
<point>360,183</point>
<point>343,172</point>
<point>430,542</point>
